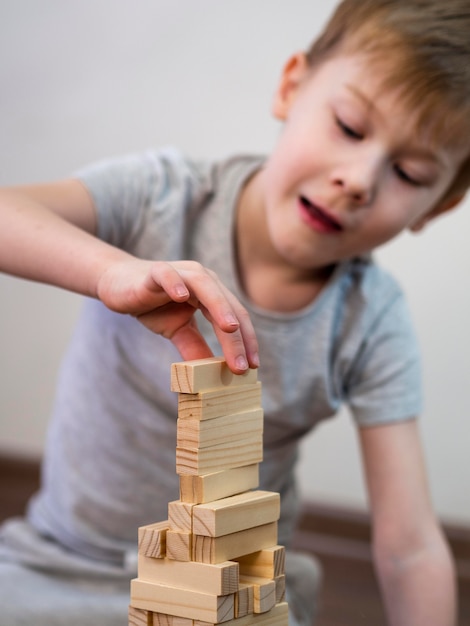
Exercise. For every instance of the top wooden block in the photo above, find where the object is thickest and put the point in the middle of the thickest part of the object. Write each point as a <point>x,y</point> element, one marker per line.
<point>195,376</point>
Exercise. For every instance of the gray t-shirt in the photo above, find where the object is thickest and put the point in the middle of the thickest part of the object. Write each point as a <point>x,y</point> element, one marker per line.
<point>110,459</point>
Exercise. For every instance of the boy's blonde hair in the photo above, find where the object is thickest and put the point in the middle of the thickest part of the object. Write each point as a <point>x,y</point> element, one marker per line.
<point>423,48</point>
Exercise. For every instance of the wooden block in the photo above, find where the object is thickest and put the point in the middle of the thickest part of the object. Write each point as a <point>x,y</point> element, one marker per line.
<point>266,563</point>
<point>162,619</point>
<point>209,487</point>
<point>218,402</point>
<point>179,545</point>
<point>180,515</point>
<point>194,433</point>
<point>244,600</point>
<point>195,376</point>
<point>280,588</point>
<point>229,547</point>
<point>219,579</point>
<point>181,602</point>
<point>223,456</point>
<point>180,621</point>
<point>140,617</point>
<point>152,539</point>
<point>264,592</point>
<point>277,616</point>
<point>235,513</point>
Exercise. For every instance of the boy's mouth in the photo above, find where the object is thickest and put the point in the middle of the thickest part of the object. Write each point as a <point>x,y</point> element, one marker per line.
<point>319,215</point>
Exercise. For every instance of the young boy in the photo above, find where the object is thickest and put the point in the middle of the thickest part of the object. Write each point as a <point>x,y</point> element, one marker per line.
<point>273,258</point>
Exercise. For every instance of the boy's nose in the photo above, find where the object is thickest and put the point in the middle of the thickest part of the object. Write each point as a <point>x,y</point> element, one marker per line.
<point>358,182</point>
<point>359,191</point>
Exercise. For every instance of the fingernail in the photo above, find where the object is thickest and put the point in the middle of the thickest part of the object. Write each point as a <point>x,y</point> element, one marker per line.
<point>255,359</point>
<point>241,363</point>
<point>231,319</point>
<point>181,291</point>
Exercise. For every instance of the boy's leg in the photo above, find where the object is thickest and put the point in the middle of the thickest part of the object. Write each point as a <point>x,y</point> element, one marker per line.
<point>29,597</point>
<point>43,584</point>
<point>303,583</point>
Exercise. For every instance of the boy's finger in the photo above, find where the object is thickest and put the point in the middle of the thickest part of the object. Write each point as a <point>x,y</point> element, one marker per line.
<point>230,320</point>
<point>239,347</point>
<point>247,333</point>
<point>165,276</point>
<point>206,291</point>
<point>233,349</point>
<point>243,338</point>
<point>190,343</point>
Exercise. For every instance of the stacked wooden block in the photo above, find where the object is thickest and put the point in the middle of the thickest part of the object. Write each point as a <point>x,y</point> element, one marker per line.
<point>216,558</point>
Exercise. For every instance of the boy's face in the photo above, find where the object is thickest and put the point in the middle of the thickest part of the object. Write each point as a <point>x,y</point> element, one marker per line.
<point>348,173</point>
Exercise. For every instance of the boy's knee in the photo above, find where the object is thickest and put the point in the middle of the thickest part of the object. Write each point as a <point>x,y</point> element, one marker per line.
<point>303,583</point>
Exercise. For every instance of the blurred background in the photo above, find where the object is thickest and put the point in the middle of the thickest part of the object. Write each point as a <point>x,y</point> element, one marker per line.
<point>83,80</point>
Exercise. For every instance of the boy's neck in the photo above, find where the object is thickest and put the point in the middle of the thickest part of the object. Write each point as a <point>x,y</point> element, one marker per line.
<point>267,279</point>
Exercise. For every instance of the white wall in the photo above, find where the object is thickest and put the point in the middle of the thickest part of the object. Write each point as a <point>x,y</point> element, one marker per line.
<point>85,79</point>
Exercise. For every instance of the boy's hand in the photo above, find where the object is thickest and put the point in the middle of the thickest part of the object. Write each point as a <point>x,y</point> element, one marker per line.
<point>164,297</point>
<point>48,233</point>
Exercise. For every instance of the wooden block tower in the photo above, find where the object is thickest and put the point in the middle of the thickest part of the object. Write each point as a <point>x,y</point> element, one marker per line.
<point>216,558</point>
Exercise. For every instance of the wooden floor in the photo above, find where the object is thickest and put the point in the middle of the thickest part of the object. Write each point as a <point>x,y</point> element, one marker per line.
<point>339,538</point>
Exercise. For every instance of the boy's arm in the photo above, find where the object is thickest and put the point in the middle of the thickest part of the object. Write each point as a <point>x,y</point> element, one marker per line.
<point>412,559</point>
<point>47,234</point>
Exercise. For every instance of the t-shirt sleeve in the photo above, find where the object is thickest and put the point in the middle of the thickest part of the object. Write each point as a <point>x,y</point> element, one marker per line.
<point>135,193</point>
<point>385,385</point>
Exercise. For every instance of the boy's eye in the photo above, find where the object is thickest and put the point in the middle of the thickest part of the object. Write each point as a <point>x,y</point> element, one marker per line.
<point>403,175</point>
<point>348,131</point>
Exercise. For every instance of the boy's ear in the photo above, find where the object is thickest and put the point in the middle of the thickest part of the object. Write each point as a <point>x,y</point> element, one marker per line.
<point>440,209</point>
<point>292,75</point>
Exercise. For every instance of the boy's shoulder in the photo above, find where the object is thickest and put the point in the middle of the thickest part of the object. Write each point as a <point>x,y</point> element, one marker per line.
<point>169,167</point>
<point>227,169</point>
<point>367,292</point>
<point>369,275</point>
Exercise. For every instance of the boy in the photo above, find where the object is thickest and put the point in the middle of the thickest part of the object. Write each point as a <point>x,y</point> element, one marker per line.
<point>374,141</point>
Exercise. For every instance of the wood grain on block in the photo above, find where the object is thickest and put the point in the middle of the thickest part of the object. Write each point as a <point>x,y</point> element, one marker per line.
<point>152,539</point>
<point>229,547</point>
<point>209,487</point>
<point>181,602</point>
<point>220,401</point>
<point>223,456</point>
<point>244,600</point>
<point>179,545</point>
<point>277,616</point>
<point>264,592</point>
<point>280,588</point>
<point>235,513</point>
<point>195,376</point>
<point>162,619</point>
<point>194,433</point>
<point>140,617</point>
<point>267,563</point>
<point>178,621</point>
<point>219,579</point>
<point>180,515</point>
